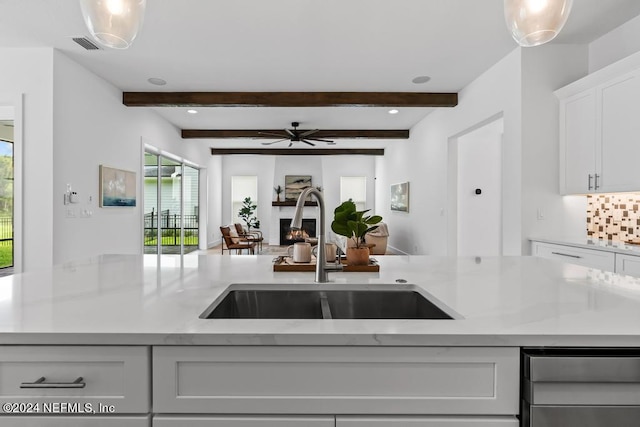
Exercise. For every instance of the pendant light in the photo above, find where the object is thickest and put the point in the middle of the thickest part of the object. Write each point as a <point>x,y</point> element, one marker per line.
<point>113,23</point>
<point>535,22</point>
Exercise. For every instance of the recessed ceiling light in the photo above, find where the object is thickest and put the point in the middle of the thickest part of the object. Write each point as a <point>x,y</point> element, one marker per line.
<point>192,111</point>
<point>156,81</point>
<point>394,111</point>
<point>421,79</point>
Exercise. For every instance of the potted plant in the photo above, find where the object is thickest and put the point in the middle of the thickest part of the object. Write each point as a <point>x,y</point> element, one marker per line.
<point>353,224</point>
<point>278,191</point>
<point>246,214</point>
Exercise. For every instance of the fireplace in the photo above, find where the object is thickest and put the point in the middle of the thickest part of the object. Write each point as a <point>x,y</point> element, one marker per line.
<point>287,237</point>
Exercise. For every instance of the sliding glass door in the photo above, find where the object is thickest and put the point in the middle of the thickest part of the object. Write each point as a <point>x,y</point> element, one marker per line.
<point>6,195</point>
<point>171,222</point>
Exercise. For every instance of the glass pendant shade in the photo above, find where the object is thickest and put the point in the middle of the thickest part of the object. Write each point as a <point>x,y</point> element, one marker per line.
<point>535,22</point>
<point>113,23</point>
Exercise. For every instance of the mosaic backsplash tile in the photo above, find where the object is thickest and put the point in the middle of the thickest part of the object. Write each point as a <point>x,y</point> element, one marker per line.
<point>614,217</point>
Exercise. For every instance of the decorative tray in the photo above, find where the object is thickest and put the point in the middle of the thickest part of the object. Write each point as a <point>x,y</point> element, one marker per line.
<point>285,263</point>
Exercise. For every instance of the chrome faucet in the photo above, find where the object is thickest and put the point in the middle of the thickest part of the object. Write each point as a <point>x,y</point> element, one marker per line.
<point>322,268</point>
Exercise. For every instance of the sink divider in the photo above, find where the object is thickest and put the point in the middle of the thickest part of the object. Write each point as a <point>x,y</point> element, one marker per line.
<point>324,305</point>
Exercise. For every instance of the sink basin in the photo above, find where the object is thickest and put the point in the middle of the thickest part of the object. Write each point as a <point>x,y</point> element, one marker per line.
<point>327,301</point>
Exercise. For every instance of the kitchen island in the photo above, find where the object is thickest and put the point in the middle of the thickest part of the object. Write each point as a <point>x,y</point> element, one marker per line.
<point>123,332</point>
<point>151,300</point>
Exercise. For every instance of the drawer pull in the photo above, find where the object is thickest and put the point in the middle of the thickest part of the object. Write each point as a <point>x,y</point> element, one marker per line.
<point>570,256</point>
<point>40,383</point>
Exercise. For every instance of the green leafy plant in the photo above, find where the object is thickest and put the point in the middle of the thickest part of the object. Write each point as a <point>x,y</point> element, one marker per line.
<point>246,213</point>
<point>353,224</point>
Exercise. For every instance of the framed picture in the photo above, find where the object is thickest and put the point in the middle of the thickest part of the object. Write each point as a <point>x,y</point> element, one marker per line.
<point>117,187</point>
<point>294,185</point>
<point>400,197</point>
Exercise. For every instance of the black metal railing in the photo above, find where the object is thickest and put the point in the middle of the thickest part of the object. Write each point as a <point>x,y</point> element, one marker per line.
<point>170,229</point>
<point>6,231</point>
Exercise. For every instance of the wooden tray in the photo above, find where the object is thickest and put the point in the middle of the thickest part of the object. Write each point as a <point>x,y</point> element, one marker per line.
<point>285,264</point>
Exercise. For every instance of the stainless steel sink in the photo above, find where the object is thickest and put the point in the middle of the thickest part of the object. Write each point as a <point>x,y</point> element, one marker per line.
<point>326,301</point>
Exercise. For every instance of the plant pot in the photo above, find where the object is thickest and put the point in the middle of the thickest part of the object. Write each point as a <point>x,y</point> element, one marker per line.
<point>358,256</point>
<point>277,197</point>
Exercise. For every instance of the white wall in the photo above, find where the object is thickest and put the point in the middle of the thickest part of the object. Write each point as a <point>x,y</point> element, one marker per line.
<point>545,69</point>
<point>520,89</point>
<point>615,45</point>
<point>27,73</point>
<point>92,127</point>
<point>423,161</point>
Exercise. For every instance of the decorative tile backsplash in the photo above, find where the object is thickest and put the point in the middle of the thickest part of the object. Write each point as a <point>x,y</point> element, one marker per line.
<point>614,216</point>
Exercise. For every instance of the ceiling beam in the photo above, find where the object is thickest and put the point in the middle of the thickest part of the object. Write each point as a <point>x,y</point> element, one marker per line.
<point>339,133</point>
<point>299,151</point>
<point>289,99</point>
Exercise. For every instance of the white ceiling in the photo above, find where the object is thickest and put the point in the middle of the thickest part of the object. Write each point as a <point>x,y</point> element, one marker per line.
<point>298,45</point>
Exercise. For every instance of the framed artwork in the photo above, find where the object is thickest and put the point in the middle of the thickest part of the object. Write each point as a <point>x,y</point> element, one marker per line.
<point>117,187</point>
<point>400,197</point>
<point>294,185</point>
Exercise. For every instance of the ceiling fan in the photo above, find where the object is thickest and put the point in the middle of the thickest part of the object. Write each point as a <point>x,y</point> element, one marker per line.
<point>295,135</point>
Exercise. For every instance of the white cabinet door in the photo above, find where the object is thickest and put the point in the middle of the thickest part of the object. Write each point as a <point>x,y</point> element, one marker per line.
<point>592,258</point>
<point>89,421</point>
<point>628,264</point>
<point>335,380</point>
<point>77,376</point>
<point>620,135</point>
<point>346,421</point>
<point>195,421</point>
<point>578,143</point>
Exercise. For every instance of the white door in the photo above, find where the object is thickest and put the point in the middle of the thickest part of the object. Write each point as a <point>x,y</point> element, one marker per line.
<point>480,191</point>
<point>578,144</point>
<point>620,131</point>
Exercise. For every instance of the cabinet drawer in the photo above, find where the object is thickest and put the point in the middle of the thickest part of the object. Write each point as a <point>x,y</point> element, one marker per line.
<point>628,264</point>
<point>346,421</point>
<point>602,260</point>
<point>117,376</point>
<point>61,421</point>
<point>194,421</point>
<point>335,380</point>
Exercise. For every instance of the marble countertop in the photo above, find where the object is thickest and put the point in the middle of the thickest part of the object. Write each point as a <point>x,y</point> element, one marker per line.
<point>589,243</point>
<point>150,300</point>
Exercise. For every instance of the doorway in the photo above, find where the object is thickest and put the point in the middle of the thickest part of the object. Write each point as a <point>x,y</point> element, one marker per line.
<point>171,205</point>
<point>7,259</point>
<point>479,190</point>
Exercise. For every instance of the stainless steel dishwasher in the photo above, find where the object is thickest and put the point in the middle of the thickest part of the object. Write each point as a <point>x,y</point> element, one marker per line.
<point>580,387</point>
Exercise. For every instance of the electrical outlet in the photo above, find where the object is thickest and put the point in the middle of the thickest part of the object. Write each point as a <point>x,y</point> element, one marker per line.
<point>86,213</point>
<point>70,213</point>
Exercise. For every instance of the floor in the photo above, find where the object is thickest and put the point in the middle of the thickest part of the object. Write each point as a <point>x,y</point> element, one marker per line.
<point>266,250</point>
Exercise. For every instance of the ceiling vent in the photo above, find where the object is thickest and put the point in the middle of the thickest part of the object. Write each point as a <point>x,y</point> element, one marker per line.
<point>86,43</point>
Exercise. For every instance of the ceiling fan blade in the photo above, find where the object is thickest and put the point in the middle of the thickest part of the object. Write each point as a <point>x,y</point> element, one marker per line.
<point>309,132</point>
<point>277,135</point>
<point>318,139</point>
<point>307,142</point>
<point>290,132</point>
<point>274,142</point>
<point>290,144</point>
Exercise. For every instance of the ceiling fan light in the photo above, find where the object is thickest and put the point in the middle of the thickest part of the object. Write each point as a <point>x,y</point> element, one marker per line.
<point>535,22</point>
<point>113,23</point>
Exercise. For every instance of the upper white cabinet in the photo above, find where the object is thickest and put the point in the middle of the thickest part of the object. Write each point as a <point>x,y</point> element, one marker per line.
<point>619,134</point>
<point>578,142</point>
<point>599,128</point>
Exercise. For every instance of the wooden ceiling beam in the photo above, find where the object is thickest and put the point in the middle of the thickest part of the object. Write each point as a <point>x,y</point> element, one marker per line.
<point>257,133</point>
<point>289,99</point>
<point>299,151</point>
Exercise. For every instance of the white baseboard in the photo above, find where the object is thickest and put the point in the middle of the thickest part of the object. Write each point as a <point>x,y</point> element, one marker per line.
<point>214,243</point>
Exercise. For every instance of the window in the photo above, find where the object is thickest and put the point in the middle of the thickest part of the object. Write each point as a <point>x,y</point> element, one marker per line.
<point>241,188</point>
<point>354,188</point>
